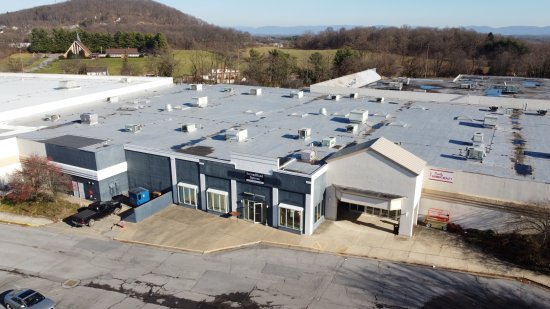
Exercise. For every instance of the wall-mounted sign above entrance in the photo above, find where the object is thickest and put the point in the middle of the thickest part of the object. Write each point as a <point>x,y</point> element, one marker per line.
<point>254,177</point>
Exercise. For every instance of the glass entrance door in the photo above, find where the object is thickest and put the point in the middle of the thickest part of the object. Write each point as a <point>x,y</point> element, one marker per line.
<point>253,211</point>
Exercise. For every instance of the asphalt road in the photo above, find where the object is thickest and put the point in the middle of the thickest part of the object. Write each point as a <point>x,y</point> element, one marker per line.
<point>116,275</point>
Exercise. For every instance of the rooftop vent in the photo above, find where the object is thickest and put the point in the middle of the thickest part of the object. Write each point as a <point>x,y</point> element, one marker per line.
<point>256,91</point>
<point>493,108</point>
<point>68,84</point>
<point>329,142</point>
<point>541,112</point>
<point>200,102</point>
<point>380,99</point>
<point>358,116</point>
<point>477,139</point>
<point>235,134</point>
<point>490,120</point>
<point>189,127</point>
<point>126,80</point>
<point>399,124</point>
<point>307,155</point>
<point>196,87</point>
<point>352,128</point>
<point>304,133</point>
<point>476,152</point>
<point>395,86</point>
<point>335,97</point>
<point>88,118</point>
<point>134,128</point>
<point>253,112</point>
<point>168,107</point>
<point>354,95</point>
<point>323,111</point>
<point>112,99</point>
<point>53,118</point>
<point>296,94</point>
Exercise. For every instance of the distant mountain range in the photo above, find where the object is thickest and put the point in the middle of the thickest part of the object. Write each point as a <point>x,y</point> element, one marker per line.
<point>299,30</point>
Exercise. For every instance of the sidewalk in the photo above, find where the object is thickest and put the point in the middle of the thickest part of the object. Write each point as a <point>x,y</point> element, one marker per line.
<point>190,230</point>
<point>23,220</point>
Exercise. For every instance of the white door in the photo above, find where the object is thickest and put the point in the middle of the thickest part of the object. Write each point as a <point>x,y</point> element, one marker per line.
<point>81,192</point>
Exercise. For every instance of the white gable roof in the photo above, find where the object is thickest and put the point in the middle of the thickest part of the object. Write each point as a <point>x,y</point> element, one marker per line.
<point>355,80</point>
<point>387,149</point>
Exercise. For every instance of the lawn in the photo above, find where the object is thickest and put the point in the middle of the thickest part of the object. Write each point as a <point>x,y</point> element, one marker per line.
<point>113,64</point>
<point>28,60</point>
<point>51,210</point>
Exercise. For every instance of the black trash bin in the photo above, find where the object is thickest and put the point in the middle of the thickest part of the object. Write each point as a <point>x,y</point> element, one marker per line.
<point>396,229</point>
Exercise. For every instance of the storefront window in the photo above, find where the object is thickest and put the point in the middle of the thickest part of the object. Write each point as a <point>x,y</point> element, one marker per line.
<point>290,218</point>
<point>187,194</point>
<point>319,210</point>
<point>217,201</point>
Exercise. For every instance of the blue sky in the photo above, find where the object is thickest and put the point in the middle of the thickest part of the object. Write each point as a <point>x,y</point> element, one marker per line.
<point>435,13</point>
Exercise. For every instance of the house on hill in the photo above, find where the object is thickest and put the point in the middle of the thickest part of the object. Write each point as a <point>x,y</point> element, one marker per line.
<point>78,48</point>
<point>121,52</point>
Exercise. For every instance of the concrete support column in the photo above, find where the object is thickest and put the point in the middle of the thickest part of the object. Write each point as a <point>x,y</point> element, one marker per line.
<point>308,216</point>
<point>331,204</point>
<point>202,188</point>
<point>233,195</point>
<point>275,207</point>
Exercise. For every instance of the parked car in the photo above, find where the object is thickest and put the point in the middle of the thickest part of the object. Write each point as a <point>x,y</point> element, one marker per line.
<point>27,298</point>
<point>95,211</point>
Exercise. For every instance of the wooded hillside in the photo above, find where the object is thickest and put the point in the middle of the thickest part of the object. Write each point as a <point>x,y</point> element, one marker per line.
<point>181,30</point>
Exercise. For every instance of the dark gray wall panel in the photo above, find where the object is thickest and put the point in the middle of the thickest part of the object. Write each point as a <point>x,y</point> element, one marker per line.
<point>109,156</point>
<point>292,198</point>
<point>112,186</point>
<point>91,187</point>
<point>71,156</point>
<point>187,172</point>
<point>149,171</point>
<point>216,169</point>
<point>292,183</point>
<point>218,184</point>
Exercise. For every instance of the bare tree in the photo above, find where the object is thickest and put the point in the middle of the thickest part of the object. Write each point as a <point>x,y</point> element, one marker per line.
<point>38,179</point>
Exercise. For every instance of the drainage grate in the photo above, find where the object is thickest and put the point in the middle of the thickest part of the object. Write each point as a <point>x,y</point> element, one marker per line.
<point>71,283</point>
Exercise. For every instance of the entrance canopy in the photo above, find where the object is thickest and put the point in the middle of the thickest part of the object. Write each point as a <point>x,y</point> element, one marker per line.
<point>369,198</point>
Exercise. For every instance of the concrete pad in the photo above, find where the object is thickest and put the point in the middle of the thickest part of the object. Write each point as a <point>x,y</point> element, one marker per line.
<point>418,258</point>
<point>380,253</point>
<point>128,303</point>
<point>23,220</point>
<point>216,283</point>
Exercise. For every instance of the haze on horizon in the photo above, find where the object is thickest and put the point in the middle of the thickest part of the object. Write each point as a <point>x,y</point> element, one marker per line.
<point>287,13</point>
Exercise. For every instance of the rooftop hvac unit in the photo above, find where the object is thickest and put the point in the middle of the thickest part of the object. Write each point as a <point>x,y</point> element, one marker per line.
<point>542,112</point>
<point>379,100</point>
<point>395,86</point>
<point>490,120</point>
<point>352,128</point>
<point>196,87</point>
<point>493,108</point>
<point>201,101</point>
<point>466,86</point>
<point>256,91</point>
<point>354,95</point>
<point>126,80</point>
<point>112,99</point>
<point>297,94</point>
<point>134,128</point>
<point>189,127</point>
<point>358,116</point>
<point>67,84</point>
<point>88,118</point>
<point>477,139</point>
<point>238,135</point>
<point>335,97</point>
<point>304,133</point>
<point>168,107</point>
<point>329,142</point>
<point>476,152</point>
<point>307,155</point>
<point>54,117</point>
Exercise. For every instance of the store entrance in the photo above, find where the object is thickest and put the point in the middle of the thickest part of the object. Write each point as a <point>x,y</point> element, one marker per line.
<point>254,211</point>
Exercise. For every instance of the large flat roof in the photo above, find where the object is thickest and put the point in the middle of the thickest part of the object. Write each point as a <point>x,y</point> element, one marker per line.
<point>436,132</point>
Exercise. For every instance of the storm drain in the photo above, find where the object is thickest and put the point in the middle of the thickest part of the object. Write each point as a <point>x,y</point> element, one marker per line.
<point>71,283</point>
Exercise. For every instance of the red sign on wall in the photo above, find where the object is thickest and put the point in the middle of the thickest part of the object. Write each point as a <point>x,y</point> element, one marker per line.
<point>441,175</point>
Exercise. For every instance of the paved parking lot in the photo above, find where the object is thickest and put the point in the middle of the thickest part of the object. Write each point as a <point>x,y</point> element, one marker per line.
<point>115,275</point>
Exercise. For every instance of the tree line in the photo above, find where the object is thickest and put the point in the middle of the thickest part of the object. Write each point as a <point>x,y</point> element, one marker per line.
<point>419,52</point>
<point>58,40</point>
